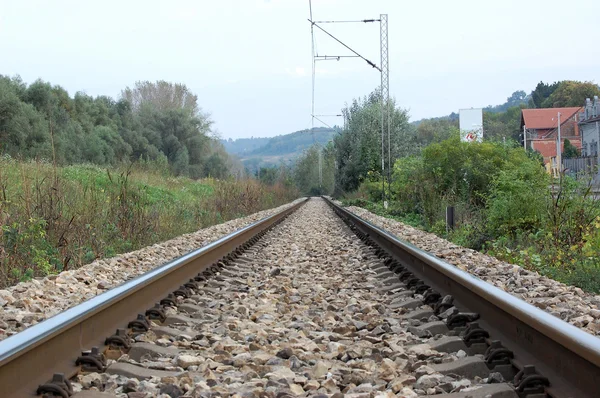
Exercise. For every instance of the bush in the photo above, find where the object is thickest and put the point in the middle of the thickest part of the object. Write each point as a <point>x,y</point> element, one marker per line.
<point>518,198</point>
<point>570,150</point>
<point>52,219</point>
<point>455,173</point>
<point>503,204</point>
<point>26,243</point>
<point>407,192</point>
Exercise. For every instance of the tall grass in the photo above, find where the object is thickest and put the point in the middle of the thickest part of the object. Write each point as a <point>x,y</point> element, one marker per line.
<point>53,219</point>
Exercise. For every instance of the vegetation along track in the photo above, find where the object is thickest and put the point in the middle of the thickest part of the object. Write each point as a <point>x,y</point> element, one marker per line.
<point>303,309</point>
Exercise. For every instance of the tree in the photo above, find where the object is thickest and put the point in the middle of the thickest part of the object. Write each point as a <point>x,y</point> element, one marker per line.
<point>216,166</point>
<point>503,125</point>
<point>358,146</point>
<point>571,93</point>
<point>23,130</point>
<point>541,93</point>
<point>181,162</point>
<point>518,98</point>
<point>486,175</point>
<point>171,120</point>
<point>306,173</point>
<point>268,175</point>
<point>435,130</point>
<point>162,96</point>
<point>570,150</point>
<point>164,120</point>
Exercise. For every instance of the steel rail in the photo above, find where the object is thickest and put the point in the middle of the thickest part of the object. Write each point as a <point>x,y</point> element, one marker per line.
<point>31,357</point>
<point>565,354</point>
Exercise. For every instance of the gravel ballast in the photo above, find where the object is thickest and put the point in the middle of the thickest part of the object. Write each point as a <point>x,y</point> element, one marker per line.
<point>568,303</point>
<point>28,303</point>
<point>308,311</point>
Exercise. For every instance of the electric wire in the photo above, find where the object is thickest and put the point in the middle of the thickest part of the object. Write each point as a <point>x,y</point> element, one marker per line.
<point>333,57</point>
<point>345,45</point>
<point>312,37</point>
<point>315,117</point>
<point>354,21</point>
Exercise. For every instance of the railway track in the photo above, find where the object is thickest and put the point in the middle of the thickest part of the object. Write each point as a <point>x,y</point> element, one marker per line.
<point>307,307</point>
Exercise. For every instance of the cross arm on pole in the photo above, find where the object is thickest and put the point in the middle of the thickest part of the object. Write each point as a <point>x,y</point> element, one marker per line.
<point>343,44</point>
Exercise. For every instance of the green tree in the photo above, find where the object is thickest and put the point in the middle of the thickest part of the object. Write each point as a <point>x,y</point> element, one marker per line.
<point>181,161</point>
<point>571,93</point>
<point>216,166</point>
<point>497,188</point>
<point>541,92</point>
<point>162,96</point>
<point>23,130</point>
<point>519,98</point>
<point>358,146</point>
<point>268,175</point>
<point>150,121</point>
<point>306,173</point>
<point>570,150</point>
<point>518,197</point>
<point>503,125</point>
<point>516,98</point>
<point>435,130</point>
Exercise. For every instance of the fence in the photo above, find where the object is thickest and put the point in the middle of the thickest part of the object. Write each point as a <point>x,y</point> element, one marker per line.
<point>580,166</point>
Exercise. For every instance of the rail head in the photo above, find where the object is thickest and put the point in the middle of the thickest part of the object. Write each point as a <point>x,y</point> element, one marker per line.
<point>87,322</point>
<point>578,345</point>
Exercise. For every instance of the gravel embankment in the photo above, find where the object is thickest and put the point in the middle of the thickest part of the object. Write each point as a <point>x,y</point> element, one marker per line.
<point>308,311</point>
<point>31,302</point>
<point>569,303</point>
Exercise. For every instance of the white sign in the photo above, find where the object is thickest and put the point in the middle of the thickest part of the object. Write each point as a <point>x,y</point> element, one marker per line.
<point>471,124</point>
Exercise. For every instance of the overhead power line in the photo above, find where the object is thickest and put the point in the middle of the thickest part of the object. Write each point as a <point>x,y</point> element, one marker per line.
<point>312,38</point>
<point>360,20</point>
<point>333,57</point>
<point>315,117</point>
<point>384,71</point>
<point>344,44</point>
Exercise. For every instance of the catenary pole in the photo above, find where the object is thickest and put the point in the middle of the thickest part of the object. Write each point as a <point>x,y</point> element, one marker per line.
<point>385,99</point>
<point>559,150</point>
<point>312,36</point>
<point>384,86</point>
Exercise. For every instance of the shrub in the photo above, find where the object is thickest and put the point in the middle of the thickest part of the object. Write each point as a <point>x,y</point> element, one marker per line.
<point>454,173</point>
<point>518,197</point>
<point>52,219</point>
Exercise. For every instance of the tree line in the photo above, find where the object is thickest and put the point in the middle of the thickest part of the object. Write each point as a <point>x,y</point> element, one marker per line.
<point>503,122</point>
<point>157,122</point>
<point>353,156</point>
<point>505,202</point>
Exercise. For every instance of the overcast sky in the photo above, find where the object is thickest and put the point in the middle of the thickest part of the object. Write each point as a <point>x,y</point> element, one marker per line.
<point>249,61</point>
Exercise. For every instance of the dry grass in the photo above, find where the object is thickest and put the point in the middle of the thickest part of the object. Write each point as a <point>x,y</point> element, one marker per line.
<point>53,219</point>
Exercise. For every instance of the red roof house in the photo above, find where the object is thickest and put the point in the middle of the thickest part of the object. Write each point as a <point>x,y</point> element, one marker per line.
<point>541,129</point>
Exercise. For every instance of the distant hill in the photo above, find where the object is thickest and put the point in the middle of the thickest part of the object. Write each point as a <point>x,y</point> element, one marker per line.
<point>243,146</point>
<point>452,116</point>
<point>264,152</point>
<point>295,143</point>
<point>517,98</point>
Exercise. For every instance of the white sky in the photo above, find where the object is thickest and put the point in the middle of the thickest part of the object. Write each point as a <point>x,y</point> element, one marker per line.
<point>249,60</point>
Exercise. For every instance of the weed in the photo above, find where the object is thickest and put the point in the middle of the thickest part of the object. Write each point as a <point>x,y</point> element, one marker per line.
<point>54,218</point>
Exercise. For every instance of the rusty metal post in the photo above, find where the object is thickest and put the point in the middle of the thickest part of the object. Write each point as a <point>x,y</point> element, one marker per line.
<point>449,218</point>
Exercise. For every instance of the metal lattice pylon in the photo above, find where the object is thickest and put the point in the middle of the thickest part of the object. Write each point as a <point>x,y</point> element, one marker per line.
<point>385,98</point>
